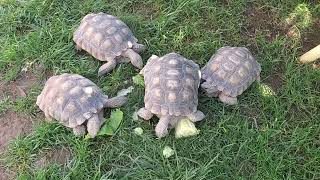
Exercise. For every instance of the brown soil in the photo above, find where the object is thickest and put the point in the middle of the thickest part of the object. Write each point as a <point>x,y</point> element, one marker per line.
<point>57,156</point>
<point>3,174</point>
<point>275,81</point>
<point>19,87</point>
<point>311,38</point>
<point>11,126</point>
<point>6,175</point>
<point>263,20</point>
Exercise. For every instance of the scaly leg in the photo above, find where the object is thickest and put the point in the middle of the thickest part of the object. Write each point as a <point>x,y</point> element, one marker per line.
<point>117,101</point>
<point>213,94</point>
<point>227,99</point>
<point>107,67</point>
<point>78,48</point>
<point>134,57</point>
<point>145,114</point>
<point>162,126</point>
<point>48,118</point>
<point>93,125</point>
<point>139,48</point>
<point>79,130</point>
<point>197,116</point>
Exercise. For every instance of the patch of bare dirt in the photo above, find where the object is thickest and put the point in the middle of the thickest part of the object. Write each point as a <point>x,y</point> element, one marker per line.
<point>11,126</point>
<point>263,20</point>
<point>266,21</point>
<point>5,174</point>
<point>275,81</point>
<point>147,10</point>
<point>311,38</point>
<point>19,87</point>
<point>59,156</point>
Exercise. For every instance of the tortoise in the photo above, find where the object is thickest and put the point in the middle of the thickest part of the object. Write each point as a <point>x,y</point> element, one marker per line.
<point>76,102</point>
<point>171,91</point>
<point>108,39</point>
<point>229,73</point>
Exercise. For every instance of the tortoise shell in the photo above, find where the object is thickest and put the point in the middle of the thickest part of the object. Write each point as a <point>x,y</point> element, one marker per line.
<point>231,70</point>
<point>171,85</point>
<point>104,36</point>
<point>70,99</point>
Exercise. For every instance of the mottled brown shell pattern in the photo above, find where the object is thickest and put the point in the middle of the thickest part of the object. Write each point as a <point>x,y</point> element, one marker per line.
<point>104,36</point>
<point>171,85</point>
<point>231,70</point>
<point>70,99</point>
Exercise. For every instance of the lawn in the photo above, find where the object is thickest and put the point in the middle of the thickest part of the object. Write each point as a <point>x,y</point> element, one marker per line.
<point>273,132</point>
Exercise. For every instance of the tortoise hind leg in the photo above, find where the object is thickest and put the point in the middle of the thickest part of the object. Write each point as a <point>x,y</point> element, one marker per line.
<point>213,94</point>
<point>78,48</point>
<point>228,99</point>
<point>107,67</point>
<point>79,130</point>
<point>48,118</point>
<point>145,114</point>
<point>196,116</point>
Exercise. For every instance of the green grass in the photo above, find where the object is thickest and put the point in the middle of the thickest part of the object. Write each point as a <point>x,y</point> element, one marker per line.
<point>263,137</point>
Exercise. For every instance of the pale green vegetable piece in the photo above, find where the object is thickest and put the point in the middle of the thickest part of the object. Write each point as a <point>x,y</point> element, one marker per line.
<point>112,124</point>
<point>87,136</point>
<point>125,92</point>
<point>266,90</point>
<point>138,131</point>
<point>168,152</point>
<point>138,79</point>
<point>185,128</point>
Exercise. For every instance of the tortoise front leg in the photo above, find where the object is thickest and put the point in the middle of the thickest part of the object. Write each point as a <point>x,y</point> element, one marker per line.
<point>145,114</point>
<point>211,91</point>
<point>162,126</point>
<point>134,57</point>
<point>93,125</point>
<point>107,67</point>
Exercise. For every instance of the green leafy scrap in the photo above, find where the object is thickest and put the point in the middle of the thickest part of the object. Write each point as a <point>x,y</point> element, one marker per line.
<point>138,79</point>
<point>112,124</point>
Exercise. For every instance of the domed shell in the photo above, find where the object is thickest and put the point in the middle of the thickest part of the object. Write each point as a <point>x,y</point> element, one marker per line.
<point>231,70</point>
<point>71,99</point>
<point>171,85</point>
<point>104,36</point>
